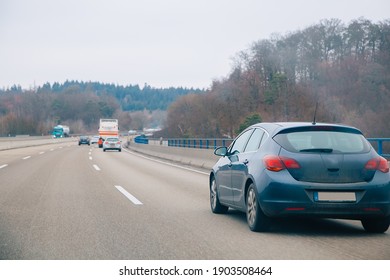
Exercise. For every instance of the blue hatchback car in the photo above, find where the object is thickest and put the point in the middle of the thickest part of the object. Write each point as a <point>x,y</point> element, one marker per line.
<point>302,169</point>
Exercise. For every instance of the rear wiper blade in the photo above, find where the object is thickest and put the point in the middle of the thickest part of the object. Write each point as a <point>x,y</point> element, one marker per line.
<point>318,150</point>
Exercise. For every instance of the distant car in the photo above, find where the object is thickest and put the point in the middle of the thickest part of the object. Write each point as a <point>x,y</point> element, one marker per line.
<point>84,140</point>
<point>112,143</point>
<point>302,170</point>
<point>94,139</point>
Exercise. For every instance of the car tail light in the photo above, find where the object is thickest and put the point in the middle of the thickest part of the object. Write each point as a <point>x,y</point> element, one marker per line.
<point>276,163</point>
<point>378,163</point>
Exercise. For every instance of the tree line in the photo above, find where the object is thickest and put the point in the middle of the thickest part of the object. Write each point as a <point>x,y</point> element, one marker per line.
<point>345,68</point>
<point>81,104</point>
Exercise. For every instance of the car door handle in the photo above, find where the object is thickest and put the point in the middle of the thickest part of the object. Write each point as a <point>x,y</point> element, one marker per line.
<point>246,161</point>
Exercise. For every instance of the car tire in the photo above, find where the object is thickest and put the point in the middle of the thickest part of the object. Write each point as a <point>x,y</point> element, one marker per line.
<point>257,220</point>
<point>119,150</point>
<point>104,150</point>
<point>216,206</point>
<point>376,225</point>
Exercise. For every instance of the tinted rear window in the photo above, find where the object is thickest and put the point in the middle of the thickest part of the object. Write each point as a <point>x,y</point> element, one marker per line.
<point>326,141</point>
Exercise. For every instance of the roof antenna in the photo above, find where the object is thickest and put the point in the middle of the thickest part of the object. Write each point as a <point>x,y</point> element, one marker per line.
<point>315,114</point>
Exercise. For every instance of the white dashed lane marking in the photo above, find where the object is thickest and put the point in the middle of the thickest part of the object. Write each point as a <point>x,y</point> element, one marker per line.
<point>128,195</point>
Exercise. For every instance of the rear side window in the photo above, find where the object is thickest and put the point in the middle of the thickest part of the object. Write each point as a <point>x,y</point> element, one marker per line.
<point>240,143</point>
<point>323,141</point>
<point>254,141</point>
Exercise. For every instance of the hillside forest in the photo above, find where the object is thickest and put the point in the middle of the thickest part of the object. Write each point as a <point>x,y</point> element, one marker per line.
<point>80,105</point>
<point>344,68</point>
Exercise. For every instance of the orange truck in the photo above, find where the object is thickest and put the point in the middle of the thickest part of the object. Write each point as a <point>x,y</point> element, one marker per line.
<point>108,127</point>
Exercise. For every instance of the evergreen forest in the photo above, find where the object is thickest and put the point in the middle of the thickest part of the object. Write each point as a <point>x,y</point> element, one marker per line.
<point>81,104</point>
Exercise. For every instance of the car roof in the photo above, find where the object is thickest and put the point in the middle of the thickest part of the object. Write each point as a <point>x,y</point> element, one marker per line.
<point>274,128</point>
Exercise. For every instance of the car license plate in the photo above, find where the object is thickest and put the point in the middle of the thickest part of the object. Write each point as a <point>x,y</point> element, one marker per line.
<point>335,196</point>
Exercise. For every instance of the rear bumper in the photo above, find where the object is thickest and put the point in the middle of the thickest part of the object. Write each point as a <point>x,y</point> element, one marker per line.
<point>326,210</point>
<point>112,148</point>
<point>280,200</point>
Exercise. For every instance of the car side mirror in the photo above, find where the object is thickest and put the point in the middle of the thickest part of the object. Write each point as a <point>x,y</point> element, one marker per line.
<point>221,151</point>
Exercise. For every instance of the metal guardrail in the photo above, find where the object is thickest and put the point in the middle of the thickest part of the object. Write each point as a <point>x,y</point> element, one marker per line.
<point>207,143</point>
<point>381,145</point>
<point>197,143</point>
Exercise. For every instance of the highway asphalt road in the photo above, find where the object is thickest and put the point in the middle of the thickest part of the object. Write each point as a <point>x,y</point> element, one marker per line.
<point>64,201</point>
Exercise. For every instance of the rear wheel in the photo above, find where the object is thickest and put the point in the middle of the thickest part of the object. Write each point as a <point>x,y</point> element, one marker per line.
<point>216,206</point>
<point>257,220</point>
<point>376,225</point>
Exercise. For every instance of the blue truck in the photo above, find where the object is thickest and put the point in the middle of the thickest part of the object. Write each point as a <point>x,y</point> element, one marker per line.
<point>60,131</point>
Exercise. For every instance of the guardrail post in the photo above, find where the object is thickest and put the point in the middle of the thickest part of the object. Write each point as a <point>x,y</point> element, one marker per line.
<point>380,147</point>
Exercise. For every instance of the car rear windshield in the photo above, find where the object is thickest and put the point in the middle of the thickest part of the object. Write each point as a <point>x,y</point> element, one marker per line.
<point>326,140</point>
<point>112,139</point>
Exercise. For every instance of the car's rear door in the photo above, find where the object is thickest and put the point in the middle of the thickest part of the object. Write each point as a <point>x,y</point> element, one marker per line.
<point>240,166</point>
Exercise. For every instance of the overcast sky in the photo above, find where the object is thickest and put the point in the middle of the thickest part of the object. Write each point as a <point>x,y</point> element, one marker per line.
<point>159,42</point>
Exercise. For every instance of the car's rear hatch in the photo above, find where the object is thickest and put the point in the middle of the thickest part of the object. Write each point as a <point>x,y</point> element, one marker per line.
<point>327,154</point>
<point>331,168</point>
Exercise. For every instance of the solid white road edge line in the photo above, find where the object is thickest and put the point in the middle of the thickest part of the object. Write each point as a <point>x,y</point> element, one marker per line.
<point>166,163</point>
<point>128,195</point>
<point>96,167</point>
